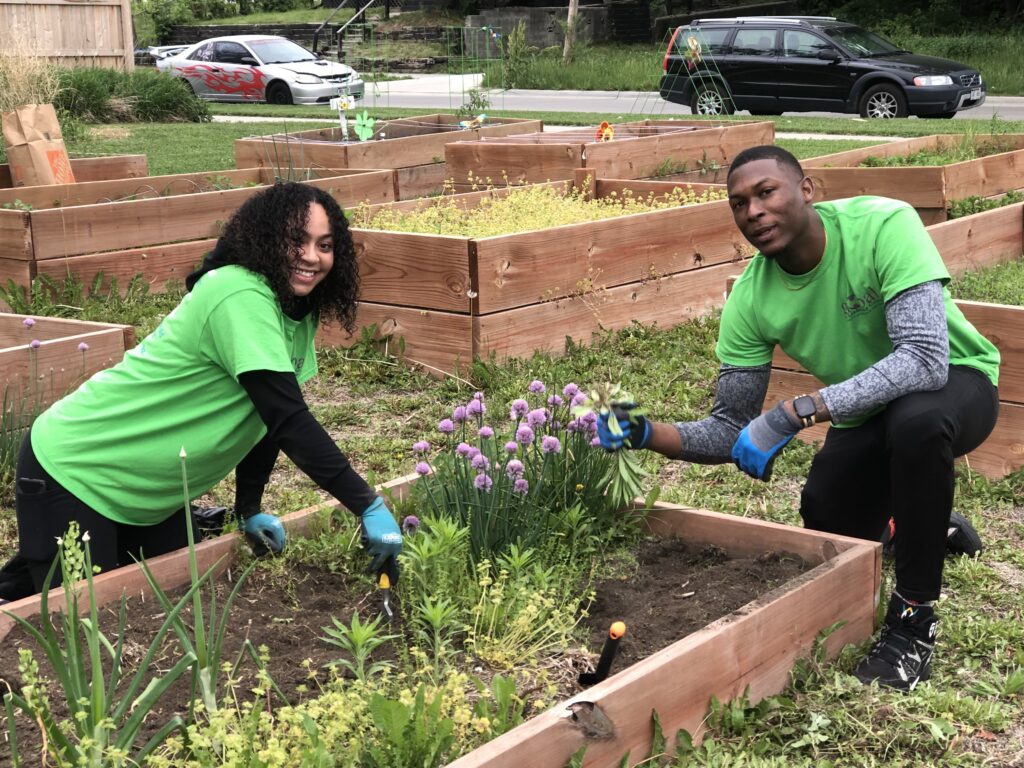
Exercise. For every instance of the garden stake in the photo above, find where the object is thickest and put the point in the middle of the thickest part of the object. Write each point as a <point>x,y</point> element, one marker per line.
<point>604,664</point>
<point>384,582</point>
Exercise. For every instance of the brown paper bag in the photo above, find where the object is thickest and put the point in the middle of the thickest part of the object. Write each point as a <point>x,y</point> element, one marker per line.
<point>35,147</point>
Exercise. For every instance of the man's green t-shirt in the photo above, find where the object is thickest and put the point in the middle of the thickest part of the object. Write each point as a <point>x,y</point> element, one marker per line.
<point>115,441</point>
<point>832,319</point>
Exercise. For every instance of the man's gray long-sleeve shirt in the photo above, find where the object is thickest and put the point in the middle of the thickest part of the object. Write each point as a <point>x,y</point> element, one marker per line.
<point>919,361</point>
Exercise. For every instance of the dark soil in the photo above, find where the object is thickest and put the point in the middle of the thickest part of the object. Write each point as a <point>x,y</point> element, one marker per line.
<point>676,590</point>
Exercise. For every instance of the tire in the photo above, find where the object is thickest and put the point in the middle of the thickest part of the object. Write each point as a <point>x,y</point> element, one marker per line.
<point>883,102</point>
<point>939,116</point>
<point>188,86</point>
<point>278,93</point>
<point>709,100</point>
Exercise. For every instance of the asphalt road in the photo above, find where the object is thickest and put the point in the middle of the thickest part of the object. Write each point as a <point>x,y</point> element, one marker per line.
<point>448,92</point>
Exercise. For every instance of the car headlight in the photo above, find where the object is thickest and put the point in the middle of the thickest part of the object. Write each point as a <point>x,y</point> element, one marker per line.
<point>310,79</point>
<point>933,80</point>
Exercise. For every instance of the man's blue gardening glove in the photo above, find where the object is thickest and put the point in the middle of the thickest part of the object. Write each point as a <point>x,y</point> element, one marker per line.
<point>619,427</point>
<point>265,533</point>
<point>762,440</point>
<point>382,539</point>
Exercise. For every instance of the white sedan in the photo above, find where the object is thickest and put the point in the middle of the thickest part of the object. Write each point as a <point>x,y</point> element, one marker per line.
<point>261,68</point>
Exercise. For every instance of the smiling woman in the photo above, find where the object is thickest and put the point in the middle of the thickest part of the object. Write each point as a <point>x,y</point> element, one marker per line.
<point>261,68</point>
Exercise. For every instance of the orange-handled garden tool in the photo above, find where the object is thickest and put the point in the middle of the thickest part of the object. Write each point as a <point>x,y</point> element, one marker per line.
<point>604,663</point>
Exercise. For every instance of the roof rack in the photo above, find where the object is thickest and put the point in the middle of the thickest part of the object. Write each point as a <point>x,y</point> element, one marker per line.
<point>773,19</point>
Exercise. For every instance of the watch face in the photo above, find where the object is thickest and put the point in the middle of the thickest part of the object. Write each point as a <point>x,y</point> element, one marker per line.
<point>804,406</point>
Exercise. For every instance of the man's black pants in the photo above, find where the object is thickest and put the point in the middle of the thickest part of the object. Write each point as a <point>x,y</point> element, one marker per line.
<point>45,508</point>
<point>899,464</point>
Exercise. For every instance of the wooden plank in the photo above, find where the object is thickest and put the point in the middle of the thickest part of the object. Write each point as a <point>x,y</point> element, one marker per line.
<point>95,168</point>
<point>15,235</point>
<point>416,181</point>
<point>159,265</point>
<point>982,239</point>
<point>644,187</point>
<point>854,157</point>
<point>753,648</point>
<point>439,342</point>
<point>1003,326</point>
<point>129,224</point>
<point>414,270</point>
<point>666,301</point>
<point>527,267</point>
<point>14,333</point>
<point>1001,454</point>
<point>986,176</point>
<point>921,187</point>
<point>282,151</point>
<point>516,163</point>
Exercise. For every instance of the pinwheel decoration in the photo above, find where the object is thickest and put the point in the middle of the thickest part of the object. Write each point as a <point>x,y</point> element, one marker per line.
<point>364,126</point>
<point>605,132</point>
<point>693,51</point>
<point>476,122</point>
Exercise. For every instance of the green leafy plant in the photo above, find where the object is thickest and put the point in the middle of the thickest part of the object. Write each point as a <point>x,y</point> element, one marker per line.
<point>411,736</point>
<point>360,640</point>
<point>17,205</point>
<point>625,476</point>
<point>477,103</point>
<point>976,204</point>
<point>104,719</point>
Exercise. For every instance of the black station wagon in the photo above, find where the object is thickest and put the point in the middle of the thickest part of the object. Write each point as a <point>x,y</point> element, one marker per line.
<point>770,65</point>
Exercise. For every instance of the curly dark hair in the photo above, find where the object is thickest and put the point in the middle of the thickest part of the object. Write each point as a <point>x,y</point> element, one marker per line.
<point>266,232</point>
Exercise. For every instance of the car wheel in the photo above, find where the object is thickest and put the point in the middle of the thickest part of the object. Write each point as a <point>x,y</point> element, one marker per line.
<point>883,102</point>
<point>709,100</point>
<point>939,116</point>
<point>278,93</point>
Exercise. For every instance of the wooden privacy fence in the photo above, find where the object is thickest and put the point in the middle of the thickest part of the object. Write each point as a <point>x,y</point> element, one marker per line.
<point>983,239</point>
<point>97,33</point>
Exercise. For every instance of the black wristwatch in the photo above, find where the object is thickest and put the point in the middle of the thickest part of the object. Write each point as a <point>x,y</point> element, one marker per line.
<point>805,409</point>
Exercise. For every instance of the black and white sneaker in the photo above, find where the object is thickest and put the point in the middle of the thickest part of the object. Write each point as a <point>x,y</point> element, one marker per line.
<point>902,655</point>
<point>961,537</point>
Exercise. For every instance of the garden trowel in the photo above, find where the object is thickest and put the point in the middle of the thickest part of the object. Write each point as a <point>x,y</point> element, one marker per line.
<point>384,582</point>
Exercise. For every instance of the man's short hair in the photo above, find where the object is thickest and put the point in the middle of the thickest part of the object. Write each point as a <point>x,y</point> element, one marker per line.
<point>766,152</point>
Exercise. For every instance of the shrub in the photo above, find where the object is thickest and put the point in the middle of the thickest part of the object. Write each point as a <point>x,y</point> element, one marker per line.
<point>97,95</point>
<point>24,77</point>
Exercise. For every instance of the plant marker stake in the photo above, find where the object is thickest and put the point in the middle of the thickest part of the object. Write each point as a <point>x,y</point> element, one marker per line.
<point>604,664</point>
<point>197,600</point>
<point>384,582</point>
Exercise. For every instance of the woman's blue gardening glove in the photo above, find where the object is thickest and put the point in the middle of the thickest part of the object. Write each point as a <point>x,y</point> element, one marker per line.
<point>633,430</point>
<point>382,539</point>
<point>265,533</point>
<point>761,441</point>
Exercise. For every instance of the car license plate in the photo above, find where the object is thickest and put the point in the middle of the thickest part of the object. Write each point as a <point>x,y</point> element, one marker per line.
<point>975,94</point>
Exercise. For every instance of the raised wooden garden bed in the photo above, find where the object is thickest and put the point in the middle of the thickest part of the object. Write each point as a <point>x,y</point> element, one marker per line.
<point>414,146</point>
<point>454,298</point>
<point>44,358</point>
<point>157,226</point>
<point>983,239</point>
<point>752,650</point>
<point>95,169</point>
<point>930,189</point>
<point>677,150</point>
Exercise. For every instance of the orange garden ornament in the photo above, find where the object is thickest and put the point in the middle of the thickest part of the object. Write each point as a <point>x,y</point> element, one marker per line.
<point>605,132</point>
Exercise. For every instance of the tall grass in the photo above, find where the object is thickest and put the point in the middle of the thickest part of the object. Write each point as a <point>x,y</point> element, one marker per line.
<point>24,77</point>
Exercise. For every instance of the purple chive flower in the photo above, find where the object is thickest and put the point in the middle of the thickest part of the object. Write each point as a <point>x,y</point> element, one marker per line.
<point>463,449</point>
<point>486,432</point>
<point>524,435</point>
<point>578,399</point>
<point>475,408</point>
<point>550,444</point>
<point>555,400</point>
<point>575,426</point>
<point>521,486</point>
<point>514,468</point>
<point>422,468</point>
<point>410,524</point>
<point>483,482</point>
<point>519,409</point>
<point>473,451</point>
<point>480,462</point>
<point>478,395</point>
<point>511,446</point>
<point>28,322</point>
<point>459,414</point>
<point>595,442</point>
<point>536,386</point>
<point>537,418</point>
<point>420,447</point>
<point>83,347</point>
<point>446,426</point>
<point>589,418</point>
<point>570,391</point>
<point>36,344</point>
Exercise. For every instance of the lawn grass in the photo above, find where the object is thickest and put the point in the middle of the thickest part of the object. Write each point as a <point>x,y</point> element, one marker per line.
<point>969,714</point>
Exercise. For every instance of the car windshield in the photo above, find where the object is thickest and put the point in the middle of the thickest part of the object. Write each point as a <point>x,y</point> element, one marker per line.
<point>280,51</point>
<point>861,42</point>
